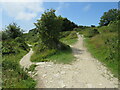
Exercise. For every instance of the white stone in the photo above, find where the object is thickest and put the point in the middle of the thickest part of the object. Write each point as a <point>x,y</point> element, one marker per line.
<point>89,85</point>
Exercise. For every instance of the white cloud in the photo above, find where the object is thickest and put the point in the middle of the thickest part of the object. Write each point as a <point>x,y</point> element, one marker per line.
<point>25,16</point>
<point>87,7</point>
<point>22,11</point>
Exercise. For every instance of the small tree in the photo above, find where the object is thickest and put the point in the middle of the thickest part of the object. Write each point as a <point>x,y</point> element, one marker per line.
<point>13,31</point>
<point>49,27</point>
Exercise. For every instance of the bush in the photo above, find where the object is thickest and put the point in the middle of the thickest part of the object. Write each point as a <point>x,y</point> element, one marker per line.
<point>90,32</point>
<point>93,32</point>
<point>6,64</point>
<point>14,46</point>
<point>9,47</point>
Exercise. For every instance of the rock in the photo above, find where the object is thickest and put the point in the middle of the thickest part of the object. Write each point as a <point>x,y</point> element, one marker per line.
<point>89,85</point>
<point>100,84</point>
<point>43,75</point>
<point>63,72</point>
<point>49,65</point>
<point>62,84</point>
<point>56,75</point>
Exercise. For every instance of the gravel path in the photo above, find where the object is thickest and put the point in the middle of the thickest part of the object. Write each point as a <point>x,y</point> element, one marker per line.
<point>85,72</point>
<point>25,61</point>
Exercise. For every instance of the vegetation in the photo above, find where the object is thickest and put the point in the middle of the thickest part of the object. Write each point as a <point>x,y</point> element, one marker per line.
<point>32,67</point>
<point>111,15</point>
<point>63,56</point>
<point>69,37</point>
<point>32,37</point>
<point>12,75</point>
<point>13,49</point>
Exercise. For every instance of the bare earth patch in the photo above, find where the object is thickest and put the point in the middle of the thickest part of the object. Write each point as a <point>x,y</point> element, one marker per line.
<point>84,72</point>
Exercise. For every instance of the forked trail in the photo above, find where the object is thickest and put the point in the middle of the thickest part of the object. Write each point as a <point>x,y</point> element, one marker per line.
<point>84,72</point>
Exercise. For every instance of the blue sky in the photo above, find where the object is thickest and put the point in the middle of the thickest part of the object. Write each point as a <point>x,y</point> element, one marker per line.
<point>25,14</point>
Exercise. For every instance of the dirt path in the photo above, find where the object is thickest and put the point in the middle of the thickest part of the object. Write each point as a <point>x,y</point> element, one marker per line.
<point>85,72</point>
<point>25,61</point>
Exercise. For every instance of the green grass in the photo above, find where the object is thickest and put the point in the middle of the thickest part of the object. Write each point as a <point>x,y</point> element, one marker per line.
<point>70,38</point>
<point>69,41</point>
<point>12,75</point>
<point>64,56</point>
<point>99,51</point>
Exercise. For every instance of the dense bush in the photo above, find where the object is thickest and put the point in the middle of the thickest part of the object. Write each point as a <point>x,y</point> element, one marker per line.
<point>9,47</point>
<point>13,46</point>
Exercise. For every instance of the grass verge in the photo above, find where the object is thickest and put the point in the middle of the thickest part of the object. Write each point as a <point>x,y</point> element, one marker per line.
<point>63,56</point>
<point>100,52</point>
<point>69,41</point>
